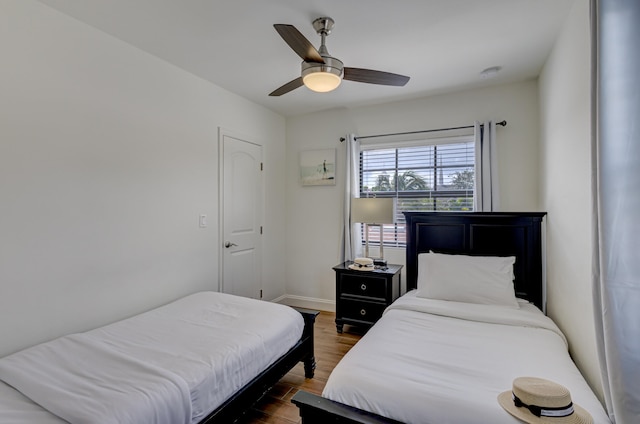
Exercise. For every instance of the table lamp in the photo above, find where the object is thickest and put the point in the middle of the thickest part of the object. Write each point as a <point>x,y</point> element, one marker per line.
<point>373,211</point>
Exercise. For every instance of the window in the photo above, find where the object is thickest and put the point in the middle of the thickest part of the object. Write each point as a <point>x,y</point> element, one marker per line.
<point>433,175</point>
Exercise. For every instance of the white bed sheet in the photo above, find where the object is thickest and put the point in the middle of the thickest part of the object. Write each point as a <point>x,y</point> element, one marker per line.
<point>15,408</point>
<point>216,343</point>
<point>417,365</point>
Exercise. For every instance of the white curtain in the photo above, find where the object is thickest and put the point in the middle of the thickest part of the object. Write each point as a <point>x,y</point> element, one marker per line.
<point>616,154</point>
<point>486,197</point>
<point>350,238</point>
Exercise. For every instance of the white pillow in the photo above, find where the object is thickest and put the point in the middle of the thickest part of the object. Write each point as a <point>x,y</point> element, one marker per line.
<point>473,279</point>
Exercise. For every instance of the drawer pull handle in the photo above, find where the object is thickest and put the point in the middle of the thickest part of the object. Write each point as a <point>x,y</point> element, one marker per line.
<point>363,287</point>
<point>363,312</point>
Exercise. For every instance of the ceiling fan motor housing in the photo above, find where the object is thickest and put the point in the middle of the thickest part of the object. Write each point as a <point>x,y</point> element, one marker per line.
<point>331,65</point>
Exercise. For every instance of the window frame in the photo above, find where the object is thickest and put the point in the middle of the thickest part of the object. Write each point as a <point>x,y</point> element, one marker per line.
<point>394,235</point>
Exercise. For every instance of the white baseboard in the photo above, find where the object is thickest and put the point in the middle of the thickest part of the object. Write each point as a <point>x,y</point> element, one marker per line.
<point>307,302</point>
<point>279,299</point>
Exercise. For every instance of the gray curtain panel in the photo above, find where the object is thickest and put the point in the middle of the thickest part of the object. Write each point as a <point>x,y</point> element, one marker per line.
<point>616,89</point>
<point>351,189</point>
<point>486,194</point>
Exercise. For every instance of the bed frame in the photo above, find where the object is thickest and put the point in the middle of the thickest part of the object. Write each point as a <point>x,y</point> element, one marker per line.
<point>303,351</point>
<point>516,234</point>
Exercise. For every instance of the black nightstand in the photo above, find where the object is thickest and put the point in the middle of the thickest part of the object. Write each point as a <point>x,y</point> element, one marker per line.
<point>362,296</point>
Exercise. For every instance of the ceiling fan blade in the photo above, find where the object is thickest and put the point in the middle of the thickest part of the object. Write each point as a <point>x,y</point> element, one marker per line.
<point>374,77</point>
<point>291,85</point>
<point>298,43</point>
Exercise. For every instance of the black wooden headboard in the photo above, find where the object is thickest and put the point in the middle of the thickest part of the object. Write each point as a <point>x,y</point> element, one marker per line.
<point>516,234</point>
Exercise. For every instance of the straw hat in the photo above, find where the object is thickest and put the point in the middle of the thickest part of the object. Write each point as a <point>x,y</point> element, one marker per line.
<point>362,264</point>
<point>536,400</point>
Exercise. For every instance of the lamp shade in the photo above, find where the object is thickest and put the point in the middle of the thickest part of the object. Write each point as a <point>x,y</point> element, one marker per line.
<point>373,210</point>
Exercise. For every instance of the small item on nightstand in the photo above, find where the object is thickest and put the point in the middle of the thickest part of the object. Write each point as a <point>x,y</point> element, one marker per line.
<point>362,264</point>
<point>380,262</point>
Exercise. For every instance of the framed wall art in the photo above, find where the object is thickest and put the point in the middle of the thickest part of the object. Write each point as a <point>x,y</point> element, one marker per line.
<point>318,167</point>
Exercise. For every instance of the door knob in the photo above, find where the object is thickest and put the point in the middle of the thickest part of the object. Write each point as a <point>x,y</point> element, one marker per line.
<point>229,244</point>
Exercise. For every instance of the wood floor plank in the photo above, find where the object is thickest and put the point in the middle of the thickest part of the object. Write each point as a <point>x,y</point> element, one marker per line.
<point>275,407</point>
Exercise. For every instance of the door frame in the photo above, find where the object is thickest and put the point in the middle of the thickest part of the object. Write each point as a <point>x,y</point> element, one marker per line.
<point>222,132</point>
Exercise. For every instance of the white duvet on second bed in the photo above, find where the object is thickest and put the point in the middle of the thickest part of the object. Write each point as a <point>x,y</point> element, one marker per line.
<point>15,408</point>
<point>205,346</point>
<point>417,365</point>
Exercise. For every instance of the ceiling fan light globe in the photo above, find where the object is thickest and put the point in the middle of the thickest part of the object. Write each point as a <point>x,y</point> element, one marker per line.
<point>322,77</point>
<point>322,81</point>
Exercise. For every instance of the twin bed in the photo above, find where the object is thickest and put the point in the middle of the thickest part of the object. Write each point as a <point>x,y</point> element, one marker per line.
<point>205,358</point>
<point>470,323</point>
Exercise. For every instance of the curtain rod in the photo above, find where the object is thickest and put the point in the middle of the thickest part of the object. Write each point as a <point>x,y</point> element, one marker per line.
<point>502,123</point>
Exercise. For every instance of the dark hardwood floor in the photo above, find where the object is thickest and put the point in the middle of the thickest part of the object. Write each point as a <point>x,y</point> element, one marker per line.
<point>275,407</point>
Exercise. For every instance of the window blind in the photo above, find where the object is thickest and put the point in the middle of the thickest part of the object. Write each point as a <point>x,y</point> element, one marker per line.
<point>432,175</point>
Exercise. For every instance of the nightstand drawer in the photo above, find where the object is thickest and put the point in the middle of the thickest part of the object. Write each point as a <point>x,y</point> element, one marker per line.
<point>362,311</point>
<point>367,286</point>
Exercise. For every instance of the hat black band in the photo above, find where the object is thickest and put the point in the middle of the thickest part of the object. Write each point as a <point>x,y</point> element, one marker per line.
<point>539,411</point>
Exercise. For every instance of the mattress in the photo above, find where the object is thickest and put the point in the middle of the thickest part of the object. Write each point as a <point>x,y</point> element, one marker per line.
<point>200,349</point>
<point>432,362</point>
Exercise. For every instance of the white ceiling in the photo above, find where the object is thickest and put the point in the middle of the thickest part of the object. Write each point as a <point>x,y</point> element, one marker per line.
<point>443,45</point>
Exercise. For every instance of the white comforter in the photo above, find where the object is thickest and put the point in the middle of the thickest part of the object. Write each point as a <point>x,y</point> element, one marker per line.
<point>440,362</point>
<point>170,365</point>
<point>81,380</point>
<point>16,408</point>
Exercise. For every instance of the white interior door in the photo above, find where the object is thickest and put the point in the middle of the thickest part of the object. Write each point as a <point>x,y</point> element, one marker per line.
<point>241,212</point>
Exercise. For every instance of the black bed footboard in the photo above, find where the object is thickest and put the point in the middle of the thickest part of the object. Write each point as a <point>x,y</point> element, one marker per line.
<point>303,351</point>
<point>315,409</point>
<point>308,357</point>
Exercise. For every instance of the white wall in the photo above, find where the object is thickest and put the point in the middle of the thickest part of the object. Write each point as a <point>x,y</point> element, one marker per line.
<point>566,188</point>
<point>313,239</point>
<point>107,157</point>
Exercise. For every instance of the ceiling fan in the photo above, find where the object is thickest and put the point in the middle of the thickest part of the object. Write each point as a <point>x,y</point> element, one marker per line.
<point>320,71</point>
